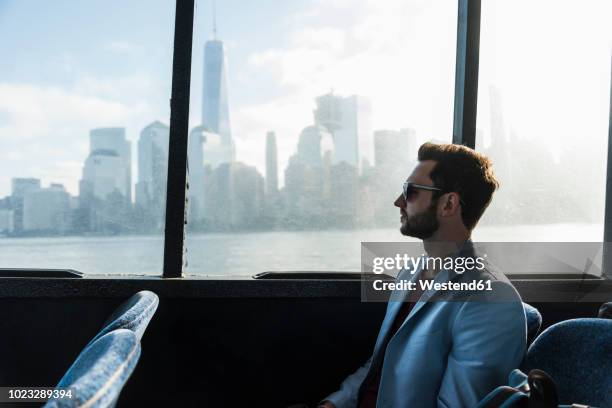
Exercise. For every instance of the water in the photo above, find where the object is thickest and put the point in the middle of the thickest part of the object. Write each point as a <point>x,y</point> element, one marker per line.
<point>245,253</point>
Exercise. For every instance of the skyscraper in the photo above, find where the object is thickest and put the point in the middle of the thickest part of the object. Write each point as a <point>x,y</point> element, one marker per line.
<point>307,181</point>
<point>234,197</point>
<point>314,141</point>
<point>195,157</point>
<point>395,154</point>
<point>113,139</point>
<point>343,202</point>
<point>7,221</point>
<point>271,164</point>
<point>215,104</point>
<point>153,168</point>
<point>47,210</point>
<point>395,150</point>
<point>19,188</point>
<point>103,193</point>
<point>348,119</point>
<point>207,148</point>
<point>103,174</point>
<point>247,196</point>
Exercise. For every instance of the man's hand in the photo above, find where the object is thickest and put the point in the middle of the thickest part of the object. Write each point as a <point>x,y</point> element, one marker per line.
<point>326,404</point>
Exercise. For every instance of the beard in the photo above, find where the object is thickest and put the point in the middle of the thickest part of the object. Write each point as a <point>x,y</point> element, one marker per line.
<point>423,225</point>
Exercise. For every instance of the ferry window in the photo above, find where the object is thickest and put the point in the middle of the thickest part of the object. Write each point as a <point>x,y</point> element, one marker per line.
<point>84,116</point>
<point>305,119</point>
<point>543,117</point>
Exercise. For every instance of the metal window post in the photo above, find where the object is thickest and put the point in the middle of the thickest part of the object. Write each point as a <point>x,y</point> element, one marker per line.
<point>466,73</point>
<point>607,248</point>
<point>179,128</point>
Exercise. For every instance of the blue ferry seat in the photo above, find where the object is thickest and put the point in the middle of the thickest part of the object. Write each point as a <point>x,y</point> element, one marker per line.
<point>605,311</point>
<point>534,322</point>
<point>134,314</point>
<point>577,354</point>
<point>99,373</point>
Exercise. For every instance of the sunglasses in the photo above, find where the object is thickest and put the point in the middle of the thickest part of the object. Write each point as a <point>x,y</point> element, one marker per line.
<point>410,190</point>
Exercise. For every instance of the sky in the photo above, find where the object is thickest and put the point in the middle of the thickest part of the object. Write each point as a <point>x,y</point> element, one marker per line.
<point>551,66</point>
<point>73,66</point>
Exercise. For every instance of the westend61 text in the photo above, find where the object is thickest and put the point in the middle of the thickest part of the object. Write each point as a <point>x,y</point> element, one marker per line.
<point>429,285</point>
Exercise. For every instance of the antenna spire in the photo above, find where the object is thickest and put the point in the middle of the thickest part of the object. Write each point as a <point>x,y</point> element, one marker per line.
<point>214,20</point>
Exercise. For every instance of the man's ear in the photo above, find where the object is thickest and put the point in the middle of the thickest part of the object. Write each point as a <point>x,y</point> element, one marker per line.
<point>451,204</point>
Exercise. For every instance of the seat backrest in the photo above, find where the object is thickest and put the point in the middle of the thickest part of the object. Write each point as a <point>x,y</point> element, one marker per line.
<point>534,322</point>
<point>134,314</point>
<point>577,354</point>
<point>605,311</point>
<point>98,375</point>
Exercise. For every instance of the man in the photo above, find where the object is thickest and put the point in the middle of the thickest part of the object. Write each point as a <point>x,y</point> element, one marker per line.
<point>439,349</point>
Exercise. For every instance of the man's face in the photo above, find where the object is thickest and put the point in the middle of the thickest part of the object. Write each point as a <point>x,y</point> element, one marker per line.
<point>418,216</point>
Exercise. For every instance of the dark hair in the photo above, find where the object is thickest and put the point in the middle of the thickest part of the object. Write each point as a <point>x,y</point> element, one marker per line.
<point>464,171</point>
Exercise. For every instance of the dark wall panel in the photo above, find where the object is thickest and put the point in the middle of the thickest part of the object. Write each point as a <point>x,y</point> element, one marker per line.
<point>211,352</point>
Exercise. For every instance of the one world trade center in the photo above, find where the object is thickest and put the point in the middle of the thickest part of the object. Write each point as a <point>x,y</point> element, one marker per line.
<point>215,105</point>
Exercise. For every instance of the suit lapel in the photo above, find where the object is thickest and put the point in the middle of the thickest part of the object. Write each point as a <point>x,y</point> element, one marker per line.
<point>445,275</point>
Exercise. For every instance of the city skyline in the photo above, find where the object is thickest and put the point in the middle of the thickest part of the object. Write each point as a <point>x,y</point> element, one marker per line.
<point>104,202</point>
<point>275,82</point>
<point>126,82</point>
<point>235,196</point>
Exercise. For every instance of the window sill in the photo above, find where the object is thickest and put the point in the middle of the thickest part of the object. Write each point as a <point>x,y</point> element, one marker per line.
<point>531,290</point>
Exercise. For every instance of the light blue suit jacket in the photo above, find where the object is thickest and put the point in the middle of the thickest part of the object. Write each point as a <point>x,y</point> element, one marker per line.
<point>452,349</point>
